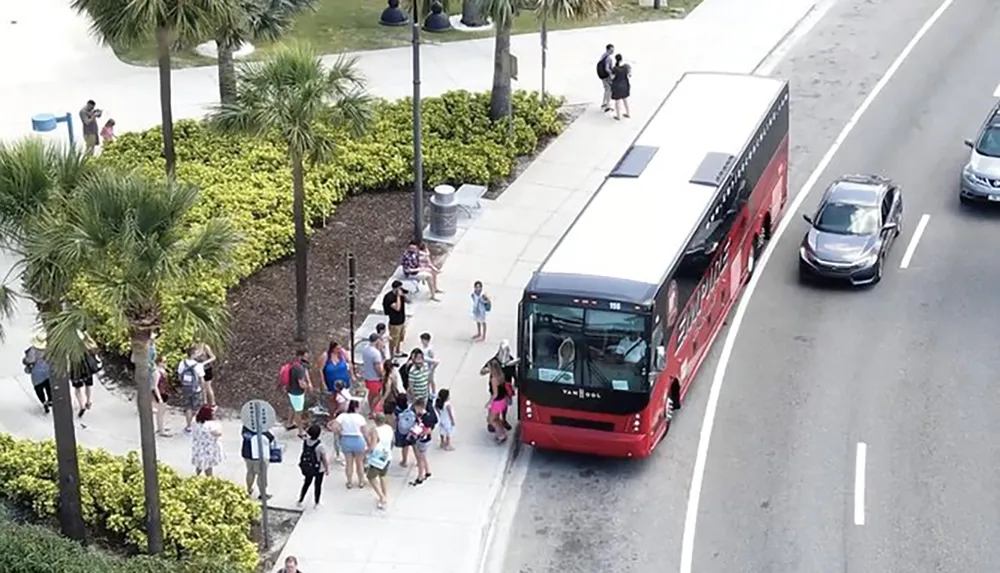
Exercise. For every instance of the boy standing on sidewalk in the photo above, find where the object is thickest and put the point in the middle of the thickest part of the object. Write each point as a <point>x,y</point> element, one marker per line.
<point>604,66</point>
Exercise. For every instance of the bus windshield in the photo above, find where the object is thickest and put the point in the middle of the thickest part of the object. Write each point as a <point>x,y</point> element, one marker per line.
<point>587,348</point>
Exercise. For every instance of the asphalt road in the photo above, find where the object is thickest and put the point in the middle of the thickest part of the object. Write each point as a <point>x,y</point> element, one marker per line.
<point>816,371</point>
<point>907,368</point>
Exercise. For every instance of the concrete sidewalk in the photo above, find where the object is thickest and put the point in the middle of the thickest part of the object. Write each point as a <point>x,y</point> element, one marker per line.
<point>440,526</point>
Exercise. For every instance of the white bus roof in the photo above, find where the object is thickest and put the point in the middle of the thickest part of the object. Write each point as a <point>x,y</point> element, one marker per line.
<point>634,227</point>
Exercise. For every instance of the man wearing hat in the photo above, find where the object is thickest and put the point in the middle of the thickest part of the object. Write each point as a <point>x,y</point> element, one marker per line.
<point>35,364</point>
<point>394,307</point>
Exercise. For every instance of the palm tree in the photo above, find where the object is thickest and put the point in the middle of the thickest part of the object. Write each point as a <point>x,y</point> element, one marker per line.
<point>169,23</point>
<point>36,178</point>
<point>264,20</point>
<point>503,12</point>
<point>132,241</point>
<point>290,94</point>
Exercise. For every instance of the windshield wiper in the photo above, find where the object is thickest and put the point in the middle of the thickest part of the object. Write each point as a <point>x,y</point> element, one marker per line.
<point>601,377</point>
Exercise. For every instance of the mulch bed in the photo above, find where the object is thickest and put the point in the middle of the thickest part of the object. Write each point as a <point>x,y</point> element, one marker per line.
<point>376,228</point>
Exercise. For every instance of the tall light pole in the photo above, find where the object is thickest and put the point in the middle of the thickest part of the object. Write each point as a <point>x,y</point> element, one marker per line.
<point>545,42</point>
<point>418,154</point>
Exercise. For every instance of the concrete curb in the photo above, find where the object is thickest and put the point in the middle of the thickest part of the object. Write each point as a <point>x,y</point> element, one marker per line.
<point>479,560</point>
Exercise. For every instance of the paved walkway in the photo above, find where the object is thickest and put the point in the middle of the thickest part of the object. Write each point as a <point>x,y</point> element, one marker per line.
<point>441,526</point>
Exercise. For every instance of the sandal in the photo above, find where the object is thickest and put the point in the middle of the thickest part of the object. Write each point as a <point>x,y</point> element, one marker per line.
<point>350,485</point>
<point>417,481</point>
<point>361,485</point>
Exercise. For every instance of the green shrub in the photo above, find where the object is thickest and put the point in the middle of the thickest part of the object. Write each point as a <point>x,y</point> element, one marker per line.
<point>36,549</point>
<point>248,180</point>
<point>202,517</point>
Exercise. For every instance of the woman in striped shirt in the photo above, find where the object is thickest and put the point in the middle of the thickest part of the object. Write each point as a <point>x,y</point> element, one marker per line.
<point>420,385</point>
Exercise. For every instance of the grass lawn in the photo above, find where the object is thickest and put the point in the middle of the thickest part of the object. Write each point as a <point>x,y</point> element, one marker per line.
<point>351,25</point>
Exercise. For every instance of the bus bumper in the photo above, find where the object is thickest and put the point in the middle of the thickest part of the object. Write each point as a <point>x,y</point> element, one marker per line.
<point>582,441</point>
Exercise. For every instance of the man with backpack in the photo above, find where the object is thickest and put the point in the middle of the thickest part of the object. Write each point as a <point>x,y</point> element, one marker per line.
<point>604,66</point>
<point>294,380</point>
<point>192,375</point>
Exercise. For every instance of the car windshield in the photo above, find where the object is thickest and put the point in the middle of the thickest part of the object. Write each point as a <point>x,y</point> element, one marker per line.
<point>587,348</point>
<point>847,219</point>
<point>989,143</point>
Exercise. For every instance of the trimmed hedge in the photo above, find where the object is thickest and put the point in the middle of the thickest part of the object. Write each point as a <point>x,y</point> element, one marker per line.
<point>36,549</point>
<point>203,518</point>
<point>248,180</point>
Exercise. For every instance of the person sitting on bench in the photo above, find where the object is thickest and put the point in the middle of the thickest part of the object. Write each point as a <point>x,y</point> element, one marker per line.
<point>414,270</point>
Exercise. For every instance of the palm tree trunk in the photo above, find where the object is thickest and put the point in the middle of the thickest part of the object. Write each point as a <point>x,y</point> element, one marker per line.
<point>70,506</point>
<point>166,111</point>
<point>227,70</point>
<point>500,95</point>
<point>301,247</point>
<point>147,437</point>
<point>471,14</point>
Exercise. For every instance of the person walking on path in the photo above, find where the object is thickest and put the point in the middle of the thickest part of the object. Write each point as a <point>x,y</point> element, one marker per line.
<point>349,430</point>
<point>82,376</point>
<point>421,436</point>
<point>419,376</point>
<point>314,465</point>
<point>446,418</point>
<point>89,114</point>
<point>394,307</point>
<point>430,356</point>
<point>291,565</point>
<point>372,369</point>
<point>192,377</point>
<point>159,385</point>
<point>621,85</point>
<point>298,384</point>
<point>251,453</point>
<point>405,418</point>
<point>604,66</point>
<point>481,306</point>
<point>206,443</point>
<point>40,370</point>
<point>497,402</point>
<point>204,355</point>
<point>336,367</point>
<point>392,386</point>
<point>379,456</point>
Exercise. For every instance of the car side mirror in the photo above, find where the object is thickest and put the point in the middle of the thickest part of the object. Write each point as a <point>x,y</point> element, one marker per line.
<point>969,143</point>
<point>889,226</point>
<point>807,218</point>
<point>661,358</point>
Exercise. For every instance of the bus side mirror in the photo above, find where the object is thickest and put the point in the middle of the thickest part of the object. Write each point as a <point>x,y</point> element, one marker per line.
<point>661,358</point>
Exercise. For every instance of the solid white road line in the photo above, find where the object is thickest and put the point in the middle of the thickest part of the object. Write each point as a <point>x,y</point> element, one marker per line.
<point>859,483</point>
<point>698,477</point>
<point>912,247</point>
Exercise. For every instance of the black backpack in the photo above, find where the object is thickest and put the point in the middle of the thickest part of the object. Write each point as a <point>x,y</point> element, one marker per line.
<point>602,67</point>
<point>309,461</point>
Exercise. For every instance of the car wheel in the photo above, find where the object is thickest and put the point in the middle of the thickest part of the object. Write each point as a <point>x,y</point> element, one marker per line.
<point>964,200</point>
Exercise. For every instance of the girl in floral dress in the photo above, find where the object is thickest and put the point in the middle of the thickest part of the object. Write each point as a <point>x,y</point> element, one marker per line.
<point>206,443</point>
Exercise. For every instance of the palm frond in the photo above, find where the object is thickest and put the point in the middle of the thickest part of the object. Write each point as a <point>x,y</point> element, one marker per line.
<point>65,347</point>
<point>8,307</point>
<point>290,93</point>
<point>212,244</point>
<point>209,322</point>
<point>572,9</point>
<point>121,23</point>
<point>27,181</point>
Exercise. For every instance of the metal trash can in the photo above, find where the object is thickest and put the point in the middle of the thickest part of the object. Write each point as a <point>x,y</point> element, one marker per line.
<point>444,211</point>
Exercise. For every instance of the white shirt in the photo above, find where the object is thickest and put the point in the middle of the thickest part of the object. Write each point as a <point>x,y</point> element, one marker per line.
<point>429,356</point>
<point>385,436</point>
<point>351,424</point>
<point>397,381</point>
<point>632,349</point>
<point>198,369</point>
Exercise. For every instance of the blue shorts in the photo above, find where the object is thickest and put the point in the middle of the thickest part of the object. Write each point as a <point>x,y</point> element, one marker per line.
<point>353,445</point>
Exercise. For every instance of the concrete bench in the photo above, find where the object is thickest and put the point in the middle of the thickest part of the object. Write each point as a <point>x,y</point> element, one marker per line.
<point>469,198</point>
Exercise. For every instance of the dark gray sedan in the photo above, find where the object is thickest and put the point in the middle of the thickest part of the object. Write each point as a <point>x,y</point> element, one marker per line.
<point>858,220</point>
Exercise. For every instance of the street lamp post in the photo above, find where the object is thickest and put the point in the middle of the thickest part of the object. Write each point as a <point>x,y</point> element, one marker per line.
<point>418,155</point>
<point>46,122</point>
<point>545,43</point>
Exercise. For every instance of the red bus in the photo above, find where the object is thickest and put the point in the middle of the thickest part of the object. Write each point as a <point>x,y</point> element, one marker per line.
<point>615,322</point>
